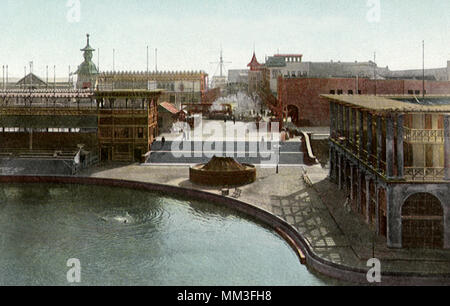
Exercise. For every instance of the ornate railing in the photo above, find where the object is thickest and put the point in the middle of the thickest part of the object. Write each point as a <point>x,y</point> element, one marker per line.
<point>424,174</point>
<point>424,136</point>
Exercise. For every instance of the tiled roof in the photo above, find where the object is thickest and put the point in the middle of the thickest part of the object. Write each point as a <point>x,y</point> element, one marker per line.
<point>386,104</point>
<point>169,107</point>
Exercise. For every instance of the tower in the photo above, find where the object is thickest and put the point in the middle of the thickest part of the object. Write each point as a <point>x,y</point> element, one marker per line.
<point>87,72</point>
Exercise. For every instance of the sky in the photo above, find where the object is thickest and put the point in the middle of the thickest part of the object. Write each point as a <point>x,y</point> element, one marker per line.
<point>189,34</point>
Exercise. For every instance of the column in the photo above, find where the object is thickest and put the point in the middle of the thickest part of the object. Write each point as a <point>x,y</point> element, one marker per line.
<point>358,200</point>
<point>379,142</point>
<point>369,135</point>
<point>336,120</point>
<point>361,133</point>
<point>347,122</point>
<point>389,147</point>
<point>341,120</point>
<point>352,184</point>
<point>332,119</point>
<point>336,167</point>
<point>330,152</point>
<point>31,139</point>
<point>377,209</point>
<point>400,153</point>
<point>340,171</point>
<point>344,174</point>
<point>447,146</point>
<point>367,216</point>
<point>354,136</point>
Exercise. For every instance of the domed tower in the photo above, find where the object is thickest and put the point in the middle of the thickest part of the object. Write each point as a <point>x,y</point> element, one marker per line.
<point>87,72</point>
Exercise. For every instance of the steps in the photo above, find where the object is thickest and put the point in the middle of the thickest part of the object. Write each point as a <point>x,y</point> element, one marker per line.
<point>243,152</point>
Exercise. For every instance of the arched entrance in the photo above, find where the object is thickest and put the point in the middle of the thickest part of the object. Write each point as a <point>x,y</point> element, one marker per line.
<point>422,222</point>
<point>293,113</point>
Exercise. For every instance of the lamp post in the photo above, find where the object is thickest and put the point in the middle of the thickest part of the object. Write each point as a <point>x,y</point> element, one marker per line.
<point>278,157</point>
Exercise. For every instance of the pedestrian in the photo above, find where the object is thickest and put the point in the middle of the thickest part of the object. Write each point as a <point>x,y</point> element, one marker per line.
<point>163,140</point>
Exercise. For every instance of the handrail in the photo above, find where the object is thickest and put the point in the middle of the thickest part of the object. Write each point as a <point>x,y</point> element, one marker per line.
<point>308,146</point>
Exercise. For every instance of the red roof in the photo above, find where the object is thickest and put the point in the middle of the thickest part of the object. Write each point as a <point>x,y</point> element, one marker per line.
<point>169,107</point>
<point>254,65</point>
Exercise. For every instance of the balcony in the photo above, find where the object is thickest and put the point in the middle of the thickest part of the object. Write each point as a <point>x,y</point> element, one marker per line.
<point>424,136</point>
<point>424,174</point>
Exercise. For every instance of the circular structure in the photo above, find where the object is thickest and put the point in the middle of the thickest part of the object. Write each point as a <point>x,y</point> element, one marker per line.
<point>222,171</point>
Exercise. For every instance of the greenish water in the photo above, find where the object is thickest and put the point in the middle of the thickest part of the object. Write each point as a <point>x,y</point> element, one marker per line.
<point>129,237</point>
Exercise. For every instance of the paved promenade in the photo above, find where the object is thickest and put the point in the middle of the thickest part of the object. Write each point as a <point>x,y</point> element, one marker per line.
<point>314,211</point>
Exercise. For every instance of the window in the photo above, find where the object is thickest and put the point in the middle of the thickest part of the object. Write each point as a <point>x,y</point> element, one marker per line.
<point>417,92</point>
<point>122,133</point>
<point>359,92</point>
<point>410,92</point>
<point>140,133</point>
<point>350,92</point>
<point>124,148</point>
<point>340,92</point>
<point>332,92</point>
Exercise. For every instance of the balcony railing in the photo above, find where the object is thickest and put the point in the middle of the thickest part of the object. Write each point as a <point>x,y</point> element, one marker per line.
<point>424,174</point>
<point>424,136</point>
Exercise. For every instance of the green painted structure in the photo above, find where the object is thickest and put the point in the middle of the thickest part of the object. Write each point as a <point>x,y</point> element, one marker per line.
<point>87,72</point>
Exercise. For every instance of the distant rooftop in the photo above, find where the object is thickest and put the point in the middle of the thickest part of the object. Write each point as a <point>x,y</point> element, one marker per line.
<point>386,104</point>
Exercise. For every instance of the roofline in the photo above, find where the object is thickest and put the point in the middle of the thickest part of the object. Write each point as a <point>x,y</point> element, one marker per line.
<point>288,55</point>
<point>388,104</point>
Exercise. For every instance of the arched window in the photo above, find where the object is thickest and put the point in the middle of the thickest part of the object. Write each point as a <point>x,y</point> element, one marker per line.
<point>422,222</point>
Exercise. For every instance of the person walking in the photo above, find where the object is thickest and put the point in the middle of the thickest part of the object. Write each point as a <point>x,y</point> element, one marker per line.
<point>163,142</point>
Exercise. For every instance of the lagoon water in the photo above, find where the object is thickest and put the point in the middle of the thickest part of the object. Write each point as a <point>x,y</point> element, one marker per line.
<point>129,237</point>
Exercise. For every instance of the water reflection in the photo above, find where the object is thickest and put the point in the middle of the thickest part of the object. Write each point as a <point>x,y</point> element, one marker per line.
<point>129,237</point>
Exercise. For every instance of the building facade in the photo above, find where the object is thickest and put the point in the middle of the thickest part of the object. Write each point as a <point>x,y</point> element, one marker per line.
<point>179,87</point>
<point>392,157</point>
<point>127,123</point>
<point>284,65</point>
<point>300,98</point>
<point>108,125</point>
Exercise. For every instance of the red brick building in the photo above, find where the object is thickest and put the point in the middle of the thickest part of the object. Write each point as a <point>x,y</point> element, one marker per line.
<point>300,97</point>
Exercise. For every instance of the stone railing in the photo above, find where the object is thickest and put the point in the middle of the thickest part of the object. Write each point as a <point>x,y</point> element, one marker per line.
<point>424,174</point>
<point>423,136</point>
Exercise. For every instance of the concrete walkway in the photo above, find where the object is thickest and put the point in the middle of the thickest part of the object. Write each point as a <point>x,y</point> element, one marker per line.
<point>315,211</point>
